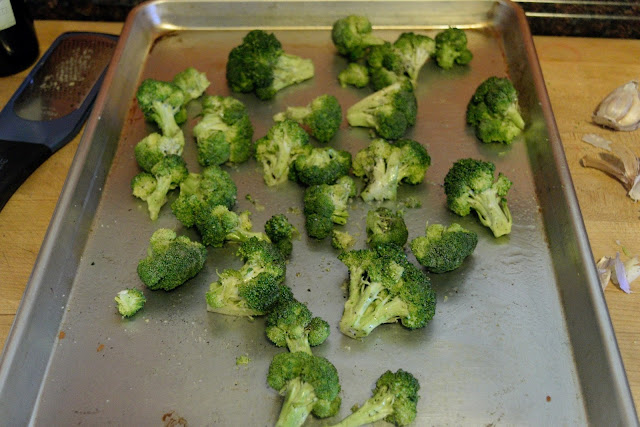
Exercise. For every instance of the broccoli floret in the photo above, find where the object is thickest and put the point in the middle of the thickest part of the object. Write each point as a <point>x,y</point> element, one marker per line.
<point>253,289</point>
<point>451,48</point>
<point>414,51</point>
<point>395,400</point>
<point>309,384</point>
<point>225,131</point>
<point>384,287</point>
<point>493,111</point>
<point>130,301</point>
<point>171,260</point>
<point>154,147</point>
<point>281,233</point>
<point>385,66</point>
<point>342,240</point>
<point>386,226</point>
<point>384,166</point>
<point>205,190</point>
<point>277,151</point>
<point>352,36</point>
<point>355,75</point>
<point>390,111</point>
<point>470,184</point>
<point>260,65</point>
<point>322,116</point>
<point>192,82</point>
<point>327,204</point>
<point>153,187</point>
<point>218,225</point>
<point>162,103</point>
<point>321,165</point>
<point>291,324</point>
<point>442,248</point>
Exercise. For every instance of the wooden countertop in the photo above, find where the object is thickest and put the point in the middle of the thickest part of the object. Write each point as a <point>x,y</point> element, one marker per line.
<point>579,72</point>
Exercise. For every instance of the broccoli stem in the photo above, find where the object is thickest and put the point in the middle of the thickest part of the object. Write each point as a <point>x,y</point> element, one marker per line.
<point>375,409</point>
<point>297,114</point>
<point>289,70</point>
<point>167,119</point>
<point>514,115</point>
<point>223,298</point>
<point>384,185</point>
<point>299,398</point>
<point>300,343</point>
<point>492,211</point>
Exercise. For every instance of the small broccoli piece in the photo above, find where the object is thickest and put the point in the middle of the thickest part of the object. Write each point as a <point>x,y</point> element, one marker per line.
<point>205,190</point>
<point>385,66</point>
<point>130,301</point>
<point>154,147</point>
<point>384,287</point>
<point>386,226</point>
<point>442,248</point>
<point>309,384</point>
<point>153,187</point>
<point>291,324</point>
<point>218,225</point>
<point>384,166</point>
<point>414,51</point>
<point>493,111</point>
<point>277,151</point>
<point>192,82</point>
<point>342,240</point>
<point>355,75</point>
<point>281,233</point>
<point>171,260</point>
<point>395,400</point>
<point>225,131</point>
<point>253,289</point>
<point>352,36</point>
<point>321,165</point>
<point>390,111</point>
<point>327,204</point>
<point>451,48</point>
<point>260,65</point>
<point>470,184</point>
<point>162,103</point>
<point>322,116</point>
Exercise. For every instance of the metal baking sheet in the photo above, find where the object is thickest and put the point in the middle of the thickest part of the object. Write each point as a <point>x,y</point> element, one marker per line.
<point>521,334</point>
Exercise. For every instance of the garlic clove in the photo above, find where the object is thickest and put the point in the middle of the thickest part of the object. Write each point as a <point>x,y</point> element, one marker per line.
<point>620,110</point>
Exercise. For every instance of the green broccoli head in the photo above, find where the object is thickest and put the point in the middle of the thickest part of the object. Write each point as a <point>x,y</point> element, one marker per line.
<point>493,111</point>
<point>218,225</point>
<point>384,166</point>
<point>355,74</point>
<point>213,187</point>
<point>162,103</point>
<point>342,240</point>
<point>385,226</point>
<point>470,185</point>
<point>352,36</point>
<point>153,187</point>
<point>291,324</point>
<point>442,248</point>
<point>451,48</point>
<point>281,233</point>
<point>309,384</point>
<point>171,260</point>
<point>321,165</point>
<point>414,51</point>
<point>130,301</point>
<point>385,66</point>
<point>322,116</point>
<point>384,287</point>
<point>277,150</point>
<point>327,204</point>
<point>192,82</point>
<point>390,111</point>
<point>154,147</point>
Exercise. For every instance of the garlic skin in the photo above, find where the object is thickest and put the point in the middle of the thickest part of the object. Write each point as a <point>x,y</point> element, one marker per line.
<point>620,110</point>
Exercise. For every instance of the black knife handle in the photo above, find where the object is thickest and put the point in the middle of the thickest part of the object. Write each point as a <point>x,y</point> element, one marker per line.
<point>18,160</point>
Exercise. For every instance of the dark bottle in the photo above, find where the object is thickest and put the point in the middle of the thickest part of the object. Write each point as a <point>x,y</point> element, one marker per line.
<point>18,42</point>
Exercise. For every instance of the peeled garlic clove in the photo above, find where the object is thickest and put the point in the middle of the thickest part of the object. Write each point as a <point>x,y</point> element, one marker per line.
<point>620,110</point>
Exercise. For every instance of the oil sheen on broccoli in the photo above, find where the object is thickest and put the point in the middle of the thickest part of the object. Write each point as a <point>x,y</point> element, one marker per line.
<point>443,248</point>
<point>322,117</point>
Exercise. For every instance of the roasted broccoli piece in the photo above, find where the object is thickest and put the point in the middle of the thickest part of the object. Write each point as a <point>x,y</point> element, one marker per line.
<point>218,225</point>
<point>386,226</point>
<point>327,204</point>
<point>451,48</point>
<point>154,147</point>
<point>291,324</point>
<point>395,400</point>
<point>260,65</point>
<point>277,150</point>
<point>162,103</point>
<point>352,36</point>
<point>355,74</point>
<point>253,289</point>
<point>385,66</point>
<point>384,287</point>
<point>203,191</point>
<point>442,248</point>
<point>153,187</point>
<point>342,240</point>
<point>384,166</point>
<point>192,82</point>
<point>130,301</point>
<point>171,260</point>
<point>281,233</point>
<point>470,184</point>
<point>224,132</point>
<point>321,165</point>
<point>322,116</point>
<point>390,111</point>
<point>309,384</point>
<point>493,111</point>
